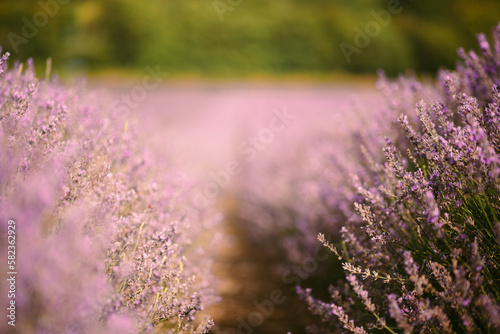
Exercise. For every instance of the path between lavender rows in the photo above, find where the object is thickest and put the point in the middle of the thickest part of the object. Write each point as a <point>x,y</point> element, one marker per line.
<point>204,126</point>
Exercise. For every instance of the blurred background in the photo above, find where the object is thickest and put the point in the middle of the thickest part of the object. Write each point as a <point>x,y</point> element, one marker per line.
<point>241,38</point>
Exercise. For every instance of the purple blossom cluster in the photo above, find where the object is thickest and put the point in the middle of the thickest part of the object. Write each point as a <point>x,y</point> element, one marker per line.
<point>107,239</point>
<point>420,247</point>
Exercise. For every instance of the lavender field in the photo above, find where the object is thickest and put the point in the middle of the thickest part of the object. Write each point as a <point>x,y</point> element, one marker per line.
<point>212,127</point>
<point>161,206</point>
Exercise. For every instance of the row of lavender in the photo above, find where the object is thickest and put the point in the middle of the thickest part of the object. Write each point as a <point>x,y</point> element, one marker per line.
<point>107,240</point>
<point>417,228</point>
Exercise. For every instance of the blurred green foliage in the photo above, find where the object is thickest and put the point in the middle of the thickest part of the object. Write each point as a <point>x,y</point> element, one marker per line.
<point>279,36</point>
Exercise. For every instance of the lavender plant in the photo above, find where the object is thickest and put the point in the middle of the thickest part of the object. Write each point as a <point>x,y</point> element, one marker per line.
<point>426,256</point>
<point>287,219</point>
<point>107,241</point>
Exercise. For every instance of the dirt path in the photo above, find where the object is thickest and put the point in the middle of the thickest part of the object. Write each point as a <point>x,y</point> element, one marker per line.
<point>248,287</point>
